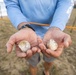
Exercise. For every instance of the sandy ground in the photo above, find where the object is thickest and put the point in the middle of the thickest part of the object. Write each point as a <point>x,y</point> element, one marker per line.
<point>10,64</point>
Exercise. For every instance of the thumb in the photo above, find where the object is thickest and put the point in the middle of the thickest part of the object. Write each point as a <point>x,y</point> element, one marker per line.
<point>40,43</point>
<point>10,44</point>
<point>39,40</point>
<point>67,41</point>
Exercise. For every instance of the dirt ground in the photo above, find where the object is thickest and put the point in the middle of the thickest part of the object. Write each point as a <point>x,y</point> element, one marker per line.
<point>10,64</point>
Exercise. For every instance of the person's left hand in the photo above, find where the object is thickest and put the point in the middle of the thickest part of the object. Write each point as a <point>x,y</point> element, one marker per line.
<point>62,39</point>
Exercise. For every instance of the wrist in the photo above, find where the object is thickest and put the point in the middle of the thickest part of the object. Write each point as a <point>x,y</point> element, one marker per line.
<point>54,28</point>
<point>21,24</point>
<point>25,25</point>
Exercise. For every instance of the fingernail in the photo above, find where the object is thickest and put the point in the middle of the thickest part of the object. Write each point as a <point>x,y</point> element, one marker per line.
<point>39,51</point>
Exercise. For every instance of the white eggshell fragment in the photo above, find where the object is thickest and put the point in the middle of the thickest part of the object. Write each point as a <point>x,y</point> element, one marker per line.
<point>52,44</point>
<point>24,45</point>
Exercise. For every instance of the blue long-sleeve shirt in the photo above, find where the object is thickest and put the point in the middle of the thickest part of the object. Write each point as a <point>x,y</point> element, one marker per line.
<point>54,12</point>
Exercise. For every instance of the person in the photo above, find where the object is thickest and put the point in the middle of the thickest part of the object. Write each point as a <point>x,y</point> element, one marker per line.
<point>24,13</point>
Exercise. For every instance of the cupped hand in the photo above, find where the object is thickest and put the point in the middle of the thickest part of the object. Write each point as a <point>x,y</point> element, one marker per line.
<point>62,39</point>
<point>24,34</point>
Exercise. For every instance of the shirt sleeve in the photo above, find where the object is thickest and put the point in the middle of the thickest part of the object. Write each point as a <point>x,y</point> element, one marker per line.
<point>14,12</point>
<point>62,13</point>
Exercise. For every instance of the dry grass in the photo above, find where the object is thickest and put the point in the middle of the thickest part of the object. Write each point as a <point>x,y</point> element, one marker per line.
<point>12,65</point>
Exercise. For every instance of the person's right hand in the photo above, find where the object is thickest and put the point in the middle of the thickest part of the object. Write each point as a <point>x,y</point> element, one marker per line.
<point>24,34</point>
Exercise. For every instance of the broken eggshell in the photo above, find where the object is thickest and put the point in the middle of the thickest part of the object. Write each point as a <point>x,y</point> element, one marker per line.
<point>51,44</point>
<point>24,45</point>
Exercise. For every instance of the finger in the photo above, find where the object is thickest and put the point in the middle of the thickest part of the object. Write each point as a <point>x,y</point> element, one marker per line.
<point>10,44</point>
<point>45,41</point>
<point>41,44</point>
<point>56,53</point>
<point>34,50</point>
<point>46,54</point>
<point>29,53</point>
<point>67,41</point>
<point>19,53</point>
<point>42,47</point>
<point>39,40</point>
<point>39,50</point>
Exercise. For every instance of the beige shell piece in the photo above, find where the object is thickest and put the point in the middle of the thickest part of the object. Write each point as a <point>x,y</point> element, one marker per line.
<point>52,44</point>
<point>24,45</point>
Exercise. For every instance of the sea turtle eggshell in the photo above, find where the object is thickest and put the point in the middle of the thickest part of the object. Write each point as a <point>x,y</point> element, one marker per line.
<point>24,45</point>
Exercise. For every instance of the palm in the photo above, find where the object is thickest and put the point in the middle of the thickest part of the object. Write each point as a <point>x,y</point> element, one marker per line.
<point>57,35</point>
<point>26,34</point>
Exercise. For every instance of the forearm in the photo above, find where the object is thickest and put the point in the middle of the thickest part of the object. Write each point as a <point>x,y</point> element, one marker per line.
<point>62,13</point>
<point>14,13</point>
